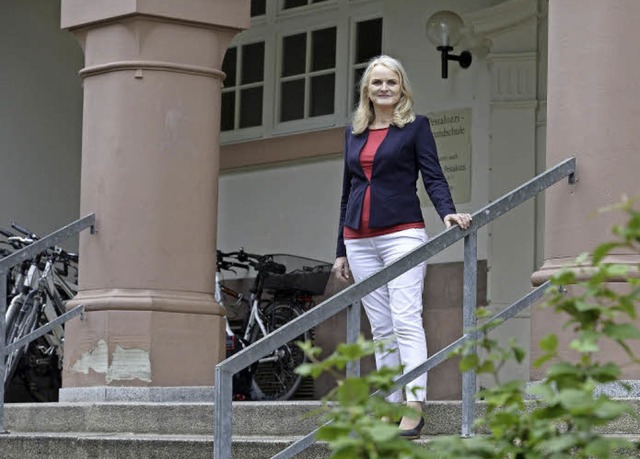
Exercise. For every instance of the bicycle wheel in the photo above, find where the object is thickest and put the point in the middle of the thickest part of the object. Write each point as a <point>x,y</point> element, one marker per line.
<point>25,323</point>
<point>273,376</point>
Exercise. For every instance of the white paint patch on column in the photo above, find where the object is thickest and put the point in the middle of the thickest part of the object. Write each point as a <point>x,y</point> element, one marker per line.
<point>96,360</point>
<point>128,364</point>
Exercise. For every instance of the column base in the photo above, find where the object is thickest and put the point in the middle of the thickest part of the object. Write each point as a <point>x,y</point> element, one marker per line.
<point>143,339</point>
<point>192,394</point>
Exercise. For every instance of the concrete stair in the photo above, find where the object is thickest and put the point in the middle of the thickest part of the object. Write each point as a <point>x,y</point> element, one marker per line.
<point>184,430</point>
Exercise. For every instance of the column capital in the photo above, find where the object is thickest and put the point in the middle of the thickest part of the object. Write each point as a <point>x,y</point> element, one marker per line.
<point>232,14</point>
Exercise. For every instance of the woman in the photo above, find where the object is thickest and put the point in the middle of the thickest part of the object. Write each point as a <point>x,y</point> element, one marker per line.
<point>381,220</point>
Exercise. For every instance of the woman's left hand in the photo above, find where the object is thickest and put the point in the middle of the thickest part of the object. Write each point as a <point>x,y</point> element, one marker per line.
<point>462,220</point>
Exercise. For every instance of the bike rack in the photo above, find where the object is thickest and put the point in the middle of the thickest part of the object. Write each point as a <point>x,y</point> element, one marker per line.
<point>10,261</point>
<point>350,297</point>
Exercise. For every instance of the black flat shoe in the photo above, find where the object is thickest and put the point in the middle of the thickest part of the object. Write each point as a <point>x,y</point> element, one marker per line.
<point>413,434</point>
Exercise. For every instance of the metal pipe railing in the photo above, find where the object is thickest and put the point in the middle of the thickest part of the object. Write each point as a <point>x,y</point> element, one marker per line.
<point>433,361</point>
<point>225,370</point>
<point>469,305</point>
<point>9,262</point>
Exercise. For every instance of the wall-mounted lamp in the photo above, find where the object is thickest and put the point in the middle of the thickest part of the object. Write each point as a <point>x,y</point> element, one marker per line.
<point>443,30</point>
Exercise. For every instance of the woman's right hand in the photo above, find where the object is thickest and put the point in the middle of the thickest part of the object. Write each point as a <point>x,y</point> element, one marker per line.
<point>341,269</point>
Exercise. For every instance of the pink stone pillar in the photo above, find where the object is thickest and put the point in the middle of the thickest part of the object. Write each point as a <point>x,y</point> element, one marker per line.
<point>593,114</point>
<point>150,159</point>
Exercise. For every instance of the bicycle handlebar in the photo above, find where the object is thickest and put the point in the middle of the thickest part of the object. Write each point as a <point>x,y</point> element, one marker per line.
<point>261,263</point>
<point>24,231</point>
<point>6,233</point>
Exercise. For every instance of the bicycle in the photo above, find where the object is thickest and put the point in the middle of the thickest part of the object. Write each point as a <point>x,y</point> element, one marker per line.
<point>37,293</point>
<point>275,299</point>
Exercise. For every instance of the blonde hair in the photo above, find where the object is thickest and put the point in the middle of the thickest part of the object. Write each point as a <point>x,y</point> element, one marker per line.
<point>364,114</point>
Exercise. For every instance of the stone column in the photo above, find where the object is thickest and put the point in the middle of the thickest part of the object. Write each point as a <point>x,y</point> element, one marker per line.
<point>150,158</point>
<point>593,114</point>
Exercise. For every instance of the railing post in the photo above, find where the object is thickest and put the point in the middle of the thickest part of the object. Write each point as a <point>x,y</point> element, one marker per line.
<point>222,411</point>
<point>3,335</point>
<point>353,331</point>
<point>469,322</point>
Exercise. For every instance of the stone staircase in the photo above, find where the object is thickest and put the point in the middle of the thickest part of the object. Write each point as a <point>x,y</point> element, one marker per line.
<point>184,430</point>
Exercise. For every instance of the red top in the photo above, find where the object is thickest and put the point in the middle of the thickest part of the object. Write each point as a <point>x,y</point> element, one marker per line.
<point>376,136</point>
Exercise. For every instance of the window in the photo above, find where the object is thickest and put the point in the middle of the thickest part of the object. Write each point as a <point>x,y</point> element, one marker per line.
<point>308,74</point>
<point>368,44</point>
<point>296,68</point>
<point>258,7</point>
<point>242,95</point>
<point>288,4</point>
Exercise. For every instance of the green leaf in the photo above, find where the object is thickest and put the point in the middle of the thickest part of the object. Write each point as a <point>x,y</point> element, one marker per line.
<point>560,444</point>
<point>564,277</point>
<point>468,362</point>
<point>603,447</point>
<point>519,354</point>
<point>610,409</point>
<point>621,331</point>
<point>586,342</point>
<point>549,343</point>
<point>383,432</point>
<point>603,250</point>
<point>605,373</point>
<point>331,432</point>
<point>353,391</point>
<point>563,369</point>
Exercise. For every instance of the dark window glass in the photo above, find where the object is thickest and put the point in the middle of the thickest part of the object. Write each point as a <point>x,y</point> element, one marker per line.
<point>250,107</point>
<point>323,55</point>
<point>292,100</point>
<point>294,3</point>
<point>368,39</point>
<point>228,103</point>
<point>322,91</point>
<point>294,54</point>
<point>258,7</point>
<point>229,67</point>
<point>253,63</point>
<point>357,75</point>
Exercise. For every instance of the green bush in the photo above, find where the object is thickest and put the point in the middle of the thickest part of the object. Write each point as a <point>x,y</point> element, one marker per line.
<point>564,418</point>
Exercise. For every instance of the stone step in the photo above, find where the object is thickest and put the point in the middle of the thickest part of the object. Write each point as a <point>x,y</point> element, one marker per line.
<point>249,418</point>
<point>185,430</point>
<point>81,445</point>
<point>57,445</point>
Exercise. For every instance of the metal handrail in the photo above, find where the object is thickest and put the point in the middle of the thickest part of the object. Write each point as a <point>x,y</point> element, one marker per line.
<point>8,262</point>
<point>225,370</point>
<point>523,303</point>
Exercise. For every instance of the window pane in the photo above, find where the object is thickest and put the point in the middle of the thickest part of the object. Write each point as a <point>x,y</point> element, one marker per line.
<point>322,90</point>
<point>323,44</point>
<point>252,63</point>
<point>258,7</point>
<point>293,3</point>
<point>368,39</point>
<point>357,74</point>
<point>251,107</point>
<point>294,54</point>
<point>292,100</point>
<point>229,67</point>
<point>228,110</point>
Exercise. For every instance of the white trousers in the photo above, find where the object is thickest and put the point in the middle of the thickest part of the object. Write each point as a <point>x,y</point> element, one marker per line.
<point>394,310</point>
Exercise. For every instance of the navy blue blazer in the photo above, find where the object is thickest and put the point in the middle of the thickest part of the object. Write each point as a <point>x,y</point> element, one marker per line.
<point>394,199</point>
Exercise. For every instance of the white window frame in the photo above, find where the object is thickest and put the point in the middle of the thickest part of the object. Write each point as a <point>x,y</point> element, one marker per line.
<point>253,131</point>
<point>278,23</point>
